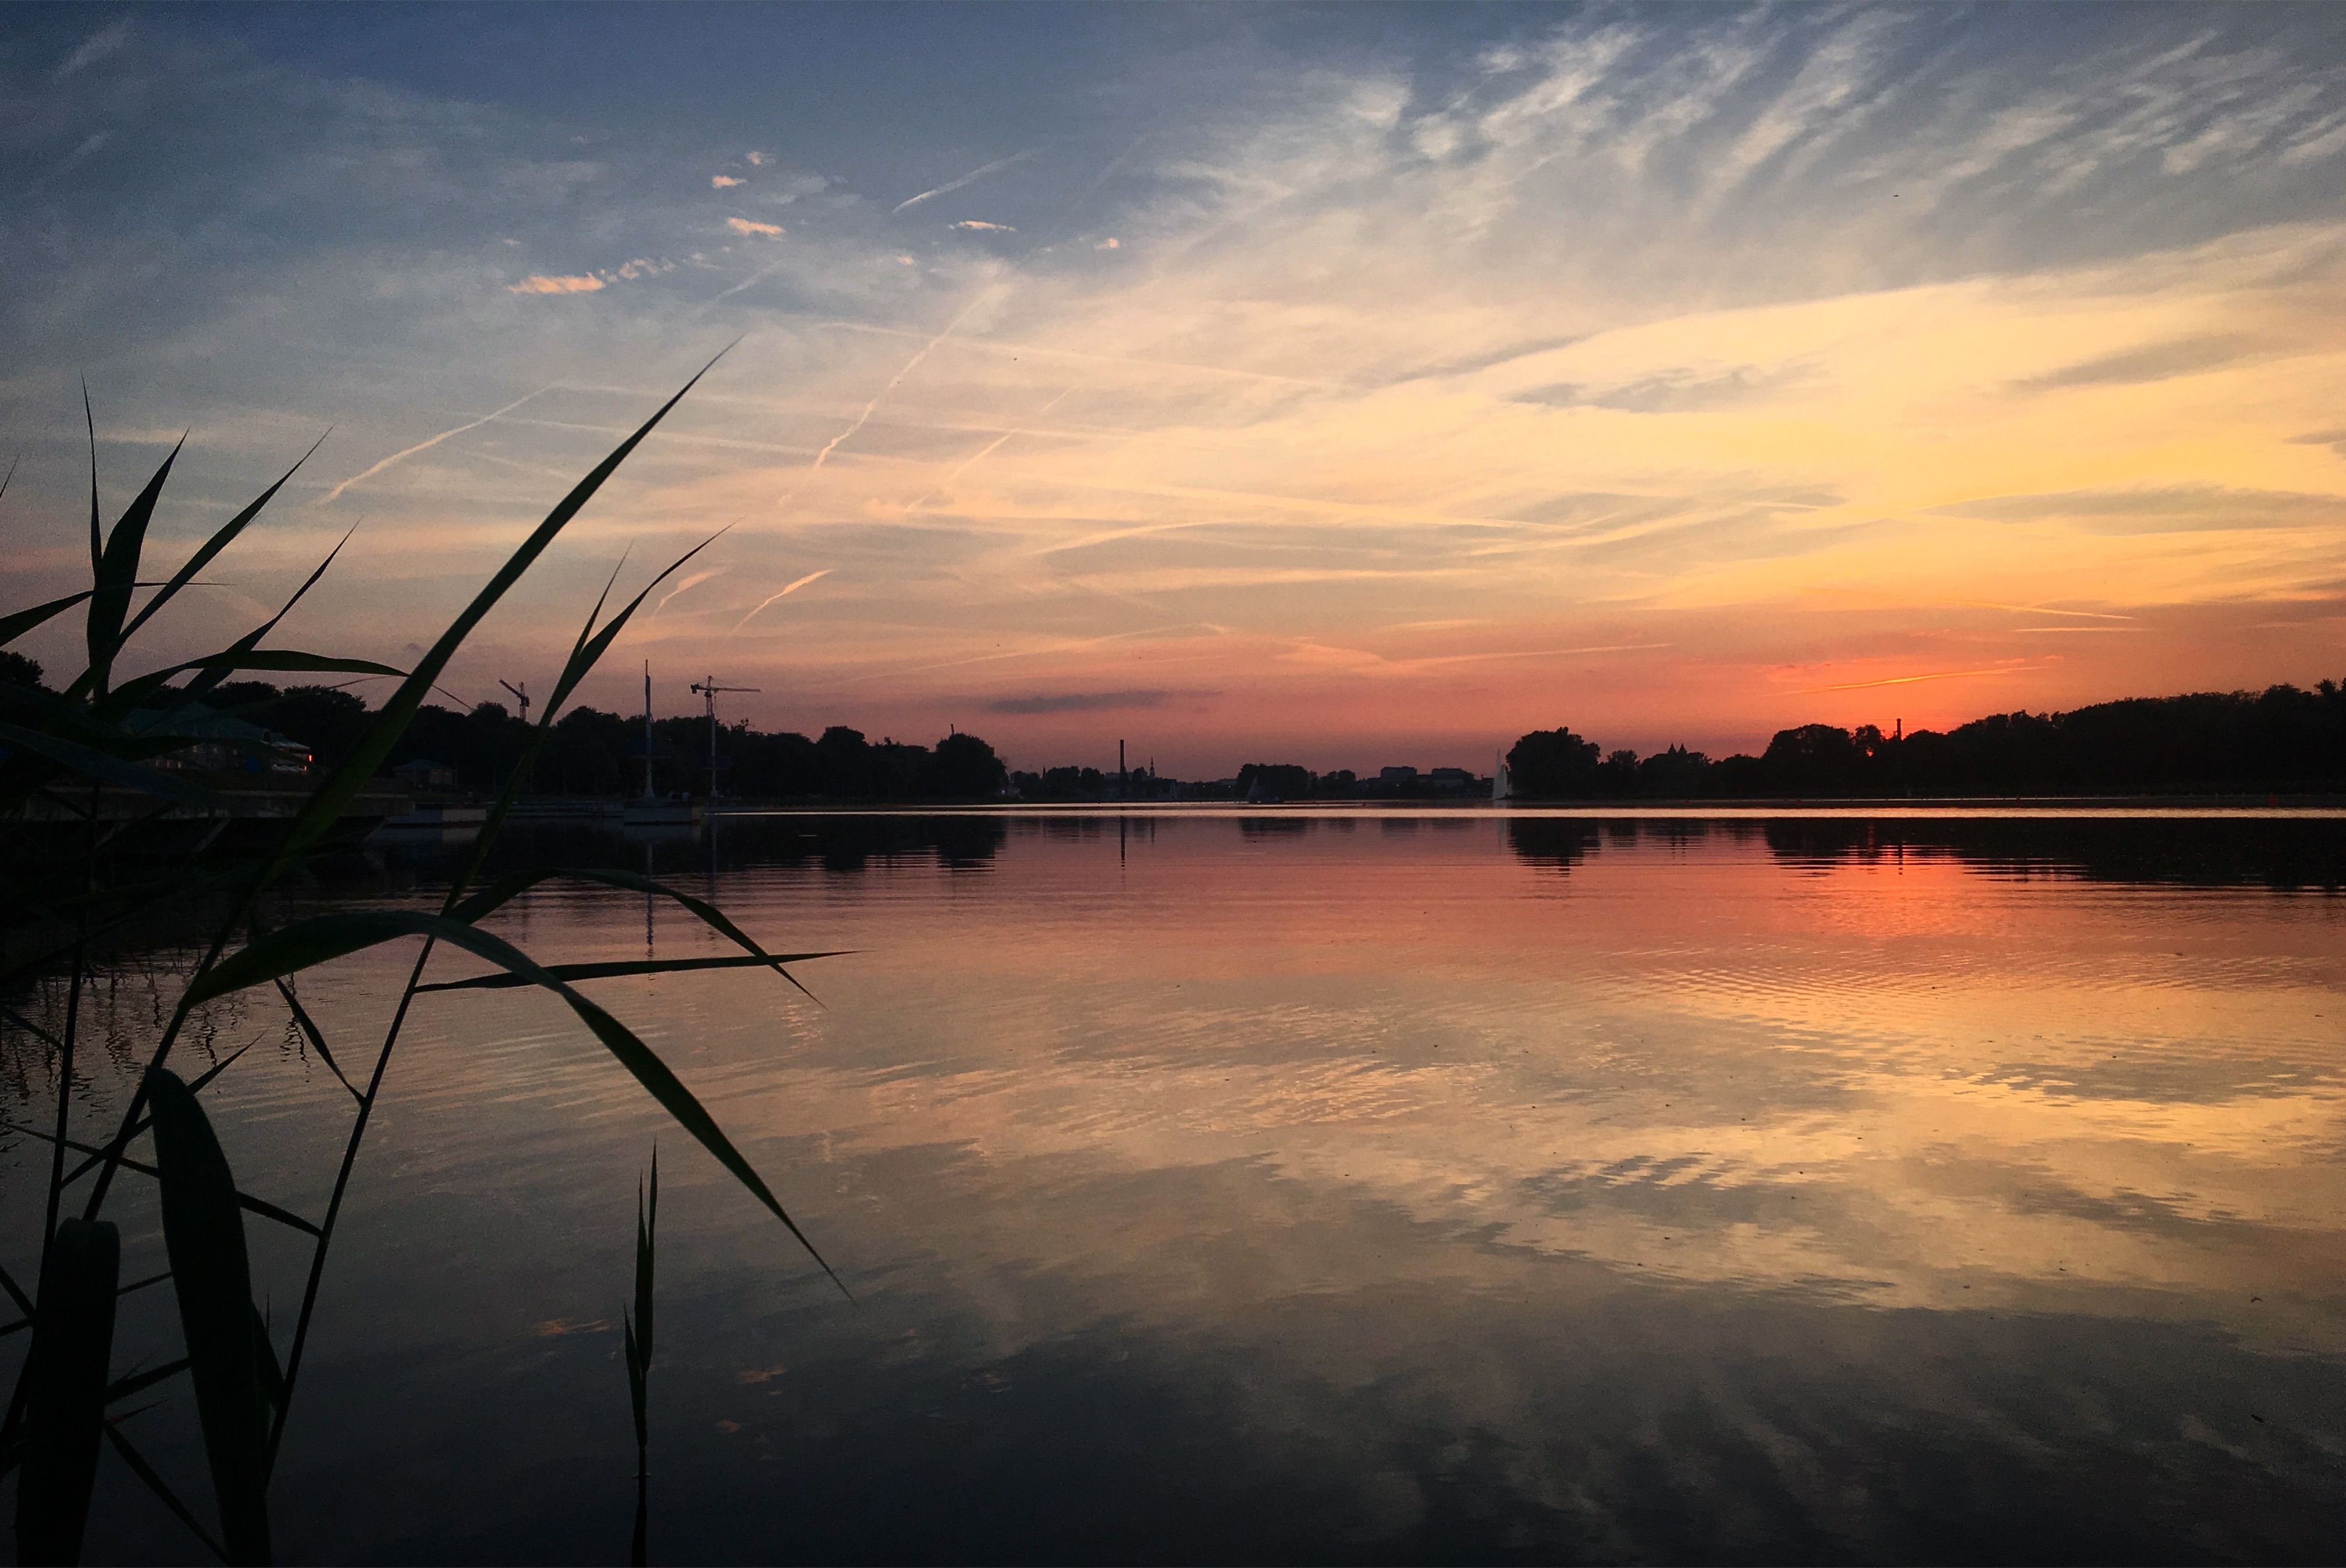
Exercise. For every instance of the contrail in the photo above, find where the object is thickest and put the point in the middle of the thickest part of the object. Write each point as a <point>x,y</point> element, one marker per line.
<point>426,445</point>
<point>689,582</point>
<point>792,588</point>
<point>997,167</point>
<point>910,365</point>
<point>1905,679</point>
<point>759,275</point>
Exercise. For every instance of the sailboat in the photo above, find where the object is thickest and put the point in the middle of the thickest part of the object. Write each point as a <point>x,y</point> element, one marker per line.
<point>651,811</point>
<point>1503,789</point>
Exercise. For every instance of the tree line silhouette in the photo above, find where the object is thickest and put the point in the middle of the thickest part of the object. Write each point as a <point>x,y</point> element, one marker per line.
<point>2282,739</point>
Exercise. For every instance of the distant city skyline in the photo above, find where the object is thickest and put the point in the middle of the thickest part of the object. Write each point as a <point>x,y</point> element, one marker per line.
<point>1340,386</point>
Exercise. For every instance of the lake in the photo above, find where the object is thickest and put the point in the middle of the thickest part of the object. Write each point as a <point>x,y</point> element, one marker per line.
<point>1326,1185</point>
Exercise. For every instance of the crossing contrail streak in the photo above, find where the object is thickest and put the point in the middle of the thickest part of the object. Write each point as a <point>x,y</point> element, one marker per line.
<point>893,381</point>
<point>997,167</point>
<point>697,577</point>
<point>427,445</point>
<point>792,588</point>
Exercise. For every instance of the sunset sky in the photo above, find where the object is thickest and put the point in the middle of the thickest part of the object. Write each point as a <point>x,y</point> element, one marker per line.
<point>1342,385</point>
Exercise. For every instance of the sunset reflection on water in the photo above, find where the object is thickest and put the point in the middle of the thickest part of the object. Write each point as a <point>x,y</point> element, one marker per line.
<point>1463,1185</point>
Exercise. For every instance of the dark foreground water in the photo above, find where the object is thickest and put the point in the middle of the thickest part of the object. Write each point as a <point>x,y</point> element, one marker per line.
<point>1335,1187</point>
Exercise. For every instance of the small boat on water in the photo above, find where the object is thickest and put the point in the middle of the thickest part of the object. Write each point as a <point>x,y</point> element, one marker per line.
<point>676,812</point>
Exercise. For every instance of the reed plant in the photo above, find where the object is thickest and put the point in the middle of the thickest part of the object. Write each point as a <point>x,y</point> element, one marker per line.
<point>74,756</point>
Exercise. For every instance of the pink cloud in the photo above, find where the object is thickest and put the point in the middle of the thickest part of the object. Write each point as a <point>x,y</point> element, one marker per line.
<point>981,223</point>
<point>543,285</point>
<point>1110,243</point>
<point>721,181</point>
<point>744,225</point>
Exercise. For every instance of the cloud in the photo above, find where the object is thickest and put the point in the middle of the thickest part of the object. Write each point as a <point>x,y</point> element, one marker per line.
<point>2335,440</point>
<point>745,226</point>
<point>1110,243</point>
<point>723,181</point>
<point>2160,509</point>
<point>981,223</point>
<point>980,172</point>
<point>94,47</point>
<point>584,283</point>
<point>1085,701</point>
<point>1685,390</point>
<point>2159,362</point>
<point>757,158</point>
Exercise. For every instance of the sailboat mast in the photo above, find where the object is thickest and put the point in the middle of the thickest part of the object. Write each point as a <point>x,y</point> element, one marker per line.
<point>648,730</point>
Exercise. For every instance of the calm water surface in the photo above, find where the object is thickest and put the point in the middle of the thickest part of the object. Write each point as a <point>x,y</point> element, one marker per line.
<point>1335,1187</point>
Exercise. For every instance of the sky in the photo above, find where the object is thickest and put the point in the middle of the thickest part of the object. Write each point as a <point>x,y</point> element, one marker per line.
<point>1347,385</point>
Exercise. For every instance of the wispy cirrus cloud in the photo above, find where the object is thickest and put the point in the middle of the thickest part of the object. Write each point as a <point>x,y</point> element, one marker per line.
<point>1548,371</point>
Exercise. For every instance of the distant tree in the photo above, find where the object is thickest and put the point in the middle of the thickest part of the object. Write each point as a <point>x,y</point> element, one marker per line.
<point>962,766</point>
<point>843,763</point>
<point>326,720</point>
<point>1813,759</point>
<point>1340,782</point>
<point>1674,774</point>
<point>1618,774</point>
<point>587,754</point>
<point>1553,765</point>
<point>15,669</point>
<point>1062,784</point>
<point>1278,780</point>
<point>1735,777</point>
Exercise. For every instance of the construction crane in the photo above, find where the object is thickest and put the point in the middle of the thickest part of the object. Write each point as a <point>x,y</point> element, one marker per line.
<point>521,691</point>
<point>708,687</point>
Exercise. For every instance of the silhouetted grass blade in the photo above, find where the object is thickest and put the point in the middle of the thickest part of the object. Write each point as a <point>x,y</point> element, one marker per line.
<point>584,653</point>
<point>245,1200</point>
<point>65,1408</point>
<point>17,625</point>
<point>221,540</point>
<point>505,888</point>
<point>327,801</point>
<point>316,1036</point>
<point>646,1227</point>
<point>219,666</point>
<point>147,1472</point>
<point>252,639</point>
<point>574,972</point>
<point>203,1232</point>
<point>117,572</point>
<point>320,938</point>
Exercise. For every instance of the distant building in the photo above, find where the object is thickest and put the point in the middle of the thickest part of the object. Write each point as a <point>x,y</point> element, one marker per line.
<point>1449,779</point>
<point>425,774</point>
<point>1396,775</point>
<point>221,743</point>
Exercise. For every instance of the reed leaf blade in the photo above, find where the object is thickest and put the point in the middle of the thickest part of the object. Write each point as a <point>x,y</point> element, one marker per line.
<point>117,571</point>
<point>221,540</point>
<point>617,970</point>
<point>327,802</point>
<point>65,1418</point>
<point>315,939</point>
<point>15,626</point>
<point>203,1233</point>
